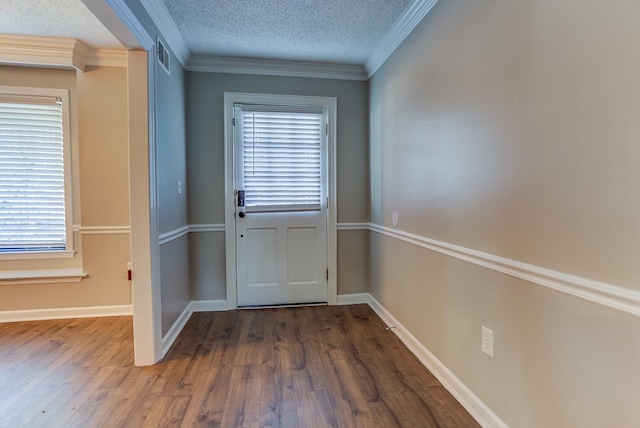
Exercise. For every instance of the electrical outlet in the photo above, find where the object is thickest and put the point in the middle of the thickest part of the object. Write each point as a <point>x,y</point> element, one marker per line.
<point>487,341</point>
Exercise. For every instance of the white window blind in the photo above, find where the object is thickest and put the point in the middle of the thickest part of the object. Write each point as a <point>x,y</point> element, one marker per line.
<point>281,160</point>
<point>32,178</point>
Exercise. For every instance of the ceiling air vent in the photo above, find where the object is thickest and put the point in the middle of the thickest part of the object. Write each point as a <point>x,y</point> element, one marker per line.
<point>164,57</point>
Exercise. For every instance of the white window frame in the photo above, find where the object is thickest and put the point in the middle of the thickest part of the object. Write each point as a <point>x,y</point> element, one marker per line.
<point>331,104</point>
<point>69,251</point>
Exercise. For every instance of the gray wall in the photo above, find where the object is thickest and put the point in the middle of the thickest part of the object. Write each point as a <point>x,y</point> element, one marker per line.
<point>512,128</point>
<point>205,158</point>
<point>172,207</point>
<point>171,165</point>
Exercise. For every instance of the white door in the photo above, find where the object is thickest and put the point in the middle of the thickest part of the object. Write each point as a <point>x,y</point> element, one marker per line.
<point>281,210</point>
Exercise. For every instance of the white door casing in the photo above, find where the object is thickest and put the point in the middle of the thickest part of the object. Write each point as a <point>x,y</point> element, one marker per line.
<point>280,257</point>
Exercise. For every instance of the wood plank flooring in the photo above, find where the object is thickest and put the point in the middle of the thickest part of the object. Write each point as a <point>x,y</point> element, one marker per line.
<point>323,366</point>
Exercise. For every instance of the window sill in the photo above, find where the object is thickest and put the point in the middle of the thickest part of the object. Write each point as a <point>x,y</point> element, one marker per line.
<point>45,276</point>
<point>37,255</point>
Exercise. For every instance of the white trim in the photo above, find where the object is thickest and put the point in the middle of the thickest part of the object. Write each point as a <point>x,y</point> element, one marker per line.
<point>172,235</point>
<point>231,98</point>
<point>167,27</point>
<point>131,22</point>
<point>57,52</point>
<point>155,295</point>
<point>198,228</point>
<point>39,51</point>
<point>38,255</point>
<point>480,412</point>
<point>41,276</point>
<point>176,329</point>
<point>64,313</point>
<point>208,305</point>
<point>269,67</point>
<point>164,238</point>
<point>353,299</point>
<point>68,151</point>
<point>107,58</point>
<point>143,203</point>
<point>101,230</point>
<point>612,296</point>
<point>106,14</point>
<point>332,190</point>
<point>353,226</point>
<point>85,56</point>
<point>410,19</point>
<point>178,326</point>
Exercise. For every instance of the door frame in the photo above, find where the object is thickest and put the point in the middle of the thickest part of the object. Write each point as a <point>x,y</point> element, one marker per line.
<point>330,103</point>
<point>123,23</point>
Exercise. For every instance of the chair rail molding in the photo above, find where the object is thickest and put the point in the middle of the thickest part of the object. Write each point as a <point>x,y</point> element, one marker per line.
<point>609,295</point>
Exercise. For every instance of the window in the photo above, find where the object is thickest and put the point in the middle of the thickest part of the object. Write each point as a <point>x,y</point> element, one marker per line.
<point>281,152</point>
<point>35,183</point>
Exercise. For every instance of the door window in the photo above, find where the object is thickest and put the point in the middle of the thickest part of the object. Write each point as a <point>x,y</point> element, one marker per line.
<point>281,153</point>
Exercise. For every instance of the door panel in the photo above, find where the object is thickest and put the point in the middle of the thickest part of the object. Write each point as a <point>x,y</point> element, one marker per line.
<point>262,256</point>
<point>283,258</point>
<point>302,256</point>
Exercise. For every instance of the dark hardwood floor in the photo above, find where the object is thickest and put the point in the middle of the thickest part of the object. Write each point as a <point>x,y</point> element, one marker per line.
<point>322,366</point>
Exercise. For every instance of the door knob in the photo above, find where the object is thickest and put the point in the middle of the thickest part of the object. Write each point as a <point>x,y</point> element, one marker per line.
<point>241,214</point>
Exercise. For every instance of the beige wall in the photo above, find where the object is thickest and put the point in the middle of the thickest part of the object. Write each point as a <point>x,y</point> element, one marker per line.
<point>512,128</point>
<point>205,158</point>
<point>98,100</point>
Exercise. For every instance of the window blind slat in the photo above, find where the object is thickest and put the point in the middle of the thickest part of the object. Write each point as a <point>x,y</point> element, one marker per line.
<point>32,198</point>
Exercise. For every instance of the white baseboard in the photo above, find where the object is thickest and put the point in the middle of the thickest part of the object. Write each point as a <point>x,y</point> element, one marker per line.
<point>209,305</point>
<point>193,306</point>
<point>176,328</point>
<point>353,299</point>
<point>64,313</point>
<point>485,416</point>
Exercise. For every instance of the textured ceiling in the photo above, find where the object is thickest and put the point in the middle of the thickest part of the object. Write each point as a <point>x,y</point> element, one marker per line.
<point>55,18</point>
<point>338,31</point>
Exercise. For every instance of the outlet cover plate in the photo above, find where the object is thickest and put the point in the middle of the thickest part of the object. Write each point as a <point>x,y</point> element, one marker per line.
<point>487,341</point>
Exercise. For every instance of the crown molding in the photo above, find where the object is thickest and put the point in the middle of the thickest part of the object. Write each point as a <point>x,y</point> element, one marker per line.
<point>118,26</point>
<point>108,58</point>
<point>168,29</point>
<point>128,18</point>
<point>56,52</point>
<point>413,15</point>
<point>99,57</point>
<point>41,51</point>
<point>268,67</point>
